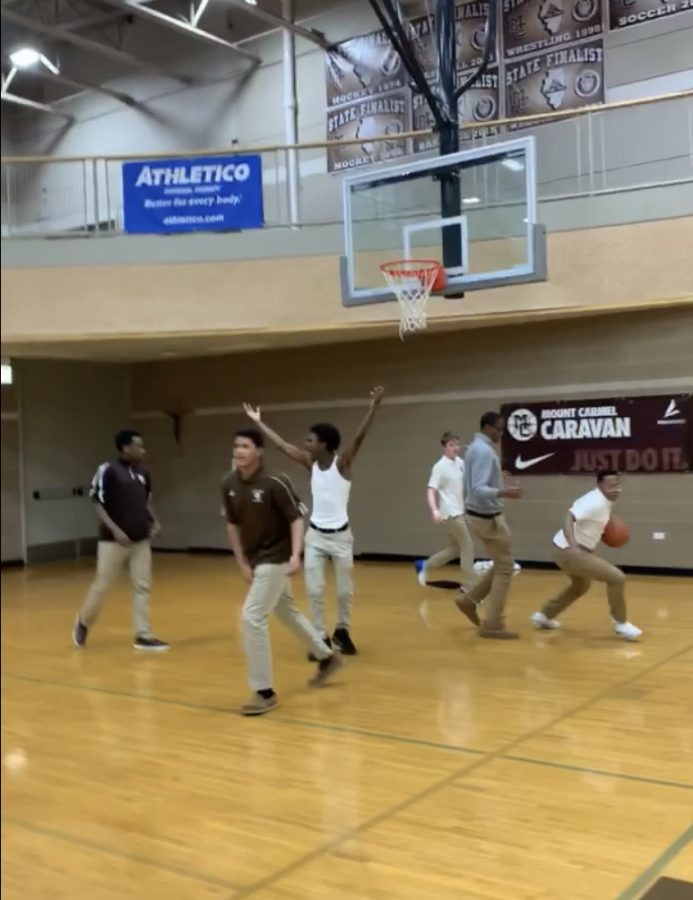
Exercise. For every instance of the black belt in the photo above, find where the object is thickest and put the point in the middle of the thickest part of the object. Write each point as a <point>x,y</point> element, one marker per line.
<point>329,530</point>
<point>478,515</point>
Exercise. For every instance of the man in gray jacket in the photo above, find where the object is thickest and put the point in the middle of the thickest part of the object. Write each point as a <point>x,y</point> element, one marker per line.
<point>484,492</point>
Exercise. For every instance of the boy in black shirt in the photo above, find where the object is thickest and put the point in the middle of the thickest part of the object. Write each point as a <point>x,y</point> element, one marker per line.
<point>122,493</point>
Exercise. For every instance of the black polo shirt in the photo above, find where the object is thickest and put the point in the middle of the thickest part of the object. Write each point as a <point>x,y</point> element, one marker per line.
<point>124,490</point>
<point>263,508</point>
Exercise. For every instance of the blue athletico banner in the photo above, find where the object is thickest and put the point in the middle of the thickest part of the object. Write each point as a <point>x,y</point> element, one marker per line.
<point>168,196</point>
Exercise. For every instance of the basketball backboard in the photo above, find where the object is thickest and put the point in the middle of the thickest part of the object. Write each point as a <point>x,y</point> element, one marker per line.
<point>395,212</point>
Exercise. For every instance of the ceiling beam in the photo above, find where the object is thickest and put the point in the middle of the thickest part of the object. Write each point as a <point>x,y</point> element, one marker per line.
<point>92,21</point>
<point>32,104</point>
<point>60,33</point>
<point>47,75</point>
<point>178,25</point>
<point>309,34</point>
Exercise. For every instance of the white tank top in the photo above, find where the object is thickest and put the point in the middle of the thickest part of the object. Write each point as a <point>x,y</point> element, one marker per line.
<point>330,492</point>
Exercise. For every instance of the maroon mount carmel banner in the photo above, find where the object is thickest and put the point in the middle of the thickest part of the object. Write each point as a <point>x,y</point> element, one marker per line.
<point>574,437</point>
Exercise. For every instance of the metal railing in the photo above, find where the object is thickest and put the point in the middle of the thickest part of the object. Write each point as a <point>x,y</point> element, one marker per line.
<point>595,150</point>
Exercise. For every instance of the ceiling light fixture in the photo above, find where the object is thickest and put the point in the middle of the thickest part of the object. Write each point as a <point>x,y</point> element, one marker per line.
<point>251,2</point>
<point>24,57</point>
<point>469,201</point>
<point>515,165</point>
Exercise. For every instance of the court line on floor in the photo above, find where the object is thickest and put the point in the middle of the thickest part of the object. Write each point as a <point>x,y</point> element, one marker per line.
<point>228,710</point>
<point>442,783</point>
<point>109,851</point>
<point>588,770</point>
<point>350,729</point>
<point>647,877</point>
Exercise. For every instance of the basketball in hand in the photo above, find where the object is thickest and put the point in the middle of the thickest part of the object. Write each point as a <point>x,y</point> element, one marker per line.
<point>616,533</point>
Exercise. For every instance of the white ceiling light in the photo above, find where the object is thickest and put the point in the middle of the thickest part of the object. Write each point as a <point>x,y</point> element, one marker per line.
<point>251,2</point>
<point>6,373</point>
<point>25,57</point>
<point>469,201</point>
<point>515,165</point>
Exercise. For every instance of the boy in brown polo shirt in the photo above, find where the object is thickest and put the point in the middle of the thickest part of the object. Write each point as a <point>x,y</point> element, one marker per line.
<point>265,530</point>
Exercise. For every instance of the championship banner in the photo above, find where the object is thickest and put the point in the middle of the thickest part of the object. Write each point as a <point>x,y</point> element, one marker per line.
<point>422,120</point>
<point>364,120</point>
<point>470,33</point>
<point>530,26</point>
<point>480,104</point>
<point>624,13</point>
<point>363,67</point>
<point>572,437</point>
<point>562,79</point>
<point>168,196</point>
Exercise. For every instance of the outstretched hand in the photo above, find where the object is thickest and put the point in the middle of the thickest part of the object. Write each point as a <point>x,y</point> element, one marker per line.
<point>377,395</point>
<point>252,412</point>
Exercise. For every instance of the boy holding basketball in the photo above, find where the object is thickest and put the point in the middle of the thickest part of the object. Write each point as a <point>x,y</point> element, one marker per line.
<point>575,543</point>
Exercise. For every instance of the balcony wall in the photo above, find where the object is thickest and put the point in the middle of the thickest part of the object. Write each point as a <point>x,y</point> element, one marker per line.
<point>592,268</point>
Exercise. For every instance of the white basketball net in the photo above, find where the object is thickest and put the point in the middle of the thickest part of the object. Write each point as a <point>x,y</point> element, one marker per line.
<point>411,280</point>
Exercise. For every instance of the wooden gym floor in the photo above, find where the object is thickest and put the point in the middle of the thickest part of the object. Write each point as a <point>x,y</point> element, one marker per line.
<point>437,767</point>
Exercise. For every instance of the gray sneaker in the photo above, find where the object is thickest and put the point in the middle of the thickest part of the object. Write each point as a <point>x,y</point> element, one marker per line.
<point>259,705</point>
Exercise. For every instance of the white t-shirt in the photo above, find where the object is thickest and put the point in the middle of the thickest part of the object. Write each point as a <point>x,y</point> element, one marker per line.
<point>446,477</point>
<point>591,512</point>
<point>330,491</point>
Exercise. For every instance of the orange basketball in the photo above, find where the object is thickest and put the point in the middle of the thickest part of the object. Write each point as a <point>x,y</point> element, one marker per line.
<point>440,282</point>
<point>616,533</point>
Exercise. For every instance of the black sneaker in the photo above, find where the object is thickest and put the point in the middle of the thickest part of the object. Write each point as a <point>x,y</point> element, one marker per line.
<point>150,643</point>
<point>343,642</point>
<point>79,633</point>
<point>312,657</point>
<point>326,668</point>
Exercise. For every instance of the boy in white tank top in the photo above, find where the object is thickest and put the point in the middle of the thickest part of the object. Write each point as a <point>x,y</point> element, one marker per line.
<point>328,536</point>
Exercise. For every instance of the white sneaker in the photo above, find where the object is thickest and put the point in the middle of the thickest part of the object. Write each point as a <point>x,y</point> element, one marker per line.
<point>420,566</point>
<point>626,631</point>
<point>539,620</point>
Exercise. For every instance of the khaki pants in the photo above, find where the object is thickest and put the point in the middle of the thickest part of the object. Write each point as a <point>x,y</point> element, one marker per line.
<point>583,567</point>
<point>319,548</point>
<point>111,558</point>
<point>460,544</point>
<point>493,586</point>
<point>270,591</point>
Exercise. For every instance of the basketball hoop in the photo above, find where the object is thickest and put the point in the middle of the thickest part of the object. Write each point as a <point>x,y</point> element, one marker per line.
<point>412,281</point>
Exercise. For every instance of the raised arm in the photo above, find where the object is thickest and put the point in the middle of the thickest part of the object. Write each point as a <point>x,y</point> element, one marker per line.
<point>290,450</point>
<point>347,457</point>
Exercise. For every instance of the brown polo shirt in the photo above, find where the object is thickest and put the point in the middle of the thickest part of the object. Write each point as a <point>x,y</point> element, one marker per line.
<point>263,508</point>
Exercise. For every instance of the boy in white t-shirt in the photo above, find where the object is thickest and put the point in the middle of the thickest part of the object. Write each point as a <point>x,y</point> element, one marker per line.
<point>446,504</point>
<point>575,544</point>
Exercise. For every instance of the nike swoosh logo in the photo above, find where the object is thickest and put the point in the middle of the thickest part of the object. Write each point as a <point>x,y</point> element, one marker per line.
<point>526,463</point>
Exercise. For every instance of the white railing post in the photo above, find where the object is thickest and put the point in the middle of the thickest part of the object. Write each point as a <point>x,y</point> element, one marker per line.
<point>95,179</point>
<point>291,114</point>
<point>109,219</point>
<point>590,153</point>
